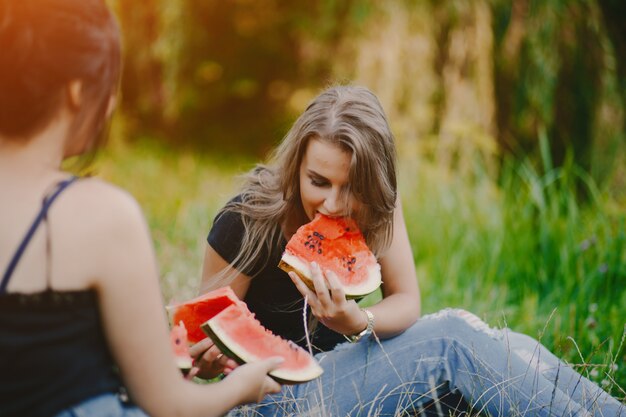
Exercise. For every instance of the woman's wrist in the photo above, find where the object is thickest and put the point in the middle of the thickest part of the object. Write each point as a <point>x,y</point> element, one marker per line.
<point>366,330</point>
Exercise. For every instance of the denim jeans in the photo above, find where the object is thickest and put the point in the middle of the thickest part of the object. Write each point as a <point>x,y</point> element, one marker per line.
<point>498,372</point>
<point>105,405</point>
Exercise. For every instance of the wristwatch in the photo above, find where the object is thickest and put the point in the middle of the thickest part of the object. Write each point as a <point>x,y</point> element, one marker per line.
<point>368,330</point>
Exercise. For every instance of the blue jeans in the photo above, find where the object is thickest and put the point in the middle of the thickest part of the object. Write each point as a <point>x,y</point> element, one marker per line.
<point>105,405</point>
<point>498,372</point>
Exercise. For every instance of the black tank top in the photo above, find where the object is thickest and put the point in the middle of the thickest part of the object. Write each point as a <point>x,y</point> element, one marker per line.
<point>53,353</point>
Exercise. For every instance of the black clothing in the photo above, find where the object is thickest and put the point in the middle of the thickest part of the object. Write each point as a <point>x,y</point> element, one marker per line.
<point>272,297</point>
<point>53,353</point>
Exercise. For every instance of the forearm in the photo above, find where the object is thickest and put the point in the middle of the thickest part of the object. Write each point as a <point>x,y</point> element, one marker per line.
<point>185,398</point>
<point>217,398</point>
<point>394,314</point>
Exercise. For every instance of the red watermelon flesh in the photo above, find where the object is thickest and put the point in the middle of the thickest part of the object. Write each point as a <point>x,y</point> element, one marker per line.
<point>194,312</point>
<point>240,336</point>
<point>235,330</point>
<point>335,244</point>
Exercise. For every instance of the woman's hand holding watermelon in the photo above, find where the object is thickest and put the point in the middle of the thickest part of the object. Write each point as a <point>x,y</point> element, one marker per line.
<point>329,304</point>
<point>252,378</point>
<point>209,361</point>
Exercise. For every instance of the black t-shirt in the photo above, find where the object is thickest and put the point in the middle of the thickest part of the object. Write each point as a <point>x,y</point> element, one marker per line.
<point>272,297</point>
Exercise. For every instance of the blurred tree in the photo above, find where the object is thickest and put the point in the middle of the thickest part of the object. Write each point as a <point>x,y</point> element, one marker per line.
<point>219,74</point>
<point>550,69</point>
<point>232,74</point>
<point>614,14</point>
<point>142,80</point>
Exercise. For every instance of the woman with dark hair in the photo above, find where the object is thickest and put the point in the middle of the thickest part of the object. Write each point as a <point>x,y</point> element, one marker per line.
<point>81,315</point>
<point>339,159</point>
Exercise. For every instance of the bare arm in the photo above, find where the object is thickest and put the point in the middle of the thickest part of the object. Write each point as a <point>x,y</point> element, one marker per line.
<point>126,278</point>
<point>214,267</point>
<point>401,304</point>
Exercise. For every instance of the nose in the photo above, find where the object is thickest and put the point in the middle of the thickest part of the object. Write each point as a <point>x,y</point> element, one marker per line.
<point>333,203</point>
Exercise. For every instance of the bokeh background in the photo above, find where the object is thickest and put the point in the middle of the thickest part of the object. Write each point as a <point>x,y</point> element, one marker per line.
<point>509,116</point>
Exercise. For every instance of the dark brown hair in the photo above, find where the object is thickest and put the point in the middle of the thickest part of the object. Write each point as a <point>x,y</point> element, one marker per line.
<point>44,45</point>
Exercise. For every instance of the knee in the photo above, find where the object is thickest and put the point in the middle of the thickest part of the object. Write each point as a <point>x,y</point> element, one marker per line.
<point>458,323</point>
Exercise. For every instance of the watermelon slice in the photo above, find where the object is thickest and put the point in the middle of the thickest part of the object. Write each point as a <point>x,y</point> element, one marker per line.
<point>180,345</point>
<point>241,337</point>
<point>336,244</point>
<point>193,313</point>
<point>234,329</point>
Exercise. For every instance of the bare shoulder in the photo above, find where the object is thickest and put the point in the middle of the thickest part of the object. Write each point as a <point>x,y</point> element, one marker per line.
<point>95,203</point>
<point>99,233</point>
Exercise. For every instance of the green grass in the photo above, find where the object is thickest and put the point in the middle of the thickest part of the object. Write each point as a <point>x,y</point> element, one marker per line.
<point>527,254</point>
<point>524,251</point>
<point>180,192</point>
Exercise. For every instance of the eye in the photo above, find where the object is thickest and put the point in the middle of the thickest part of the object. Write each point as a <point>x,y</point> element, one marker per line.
<point>318,182</point>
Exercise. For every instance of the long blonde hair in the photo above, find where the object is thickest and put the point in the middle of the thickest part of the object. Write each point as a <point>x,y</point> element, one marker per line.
<point>347,116</point>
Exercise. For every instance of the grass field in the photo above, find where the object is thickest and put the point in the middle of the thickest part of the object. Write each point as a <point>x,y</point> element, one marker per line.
<point>523,252</point>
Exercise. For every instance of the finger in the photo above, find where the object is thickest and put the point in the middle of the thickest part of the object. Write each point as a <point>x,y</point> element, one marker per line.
<point>336,290</point>
<point>230,363</point>
<point>222,360</point>
<point>319,282</point>
<point>192,373</point>
<point>272,363</point>
<point>272,387</point>
<point>200,347</point>
<point>211,355</point>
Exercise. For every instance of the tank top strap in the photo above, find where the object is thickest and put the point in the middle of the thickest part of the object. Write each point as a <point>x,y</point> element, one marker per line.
<point>41,216</point>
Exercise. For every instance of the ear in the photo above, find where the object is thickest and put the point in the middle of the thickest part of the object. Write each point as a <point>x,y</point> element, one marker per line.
<point>75,94</point>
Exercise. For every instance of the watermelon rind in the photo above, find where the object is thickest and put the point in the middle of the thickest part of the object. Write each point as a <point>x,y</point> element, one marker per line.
<point>290,262</point>
<point>236,352</point>
<point>184,363</point>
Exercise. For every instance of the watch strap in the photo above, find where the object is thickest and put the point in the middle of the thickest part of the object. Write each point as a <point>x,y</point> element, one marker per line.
<point>366,332</point>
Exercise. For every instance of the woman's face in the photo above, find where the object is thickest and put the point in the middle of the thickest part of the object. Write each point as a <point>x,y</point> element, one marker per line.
<point>324,174</point>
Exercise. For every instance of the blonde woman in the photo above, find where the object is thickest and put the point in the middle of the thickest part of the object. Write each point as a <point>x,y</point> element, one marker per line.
<point>81,316</point>
<point>339,159</point>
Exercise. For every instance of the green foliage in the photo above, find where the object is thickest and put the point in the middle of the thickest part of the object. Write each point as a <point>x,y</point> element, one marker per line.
<point>552,63</point>
<point>528,254</point>
<point>220,74</point>
<point>180,193</point>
